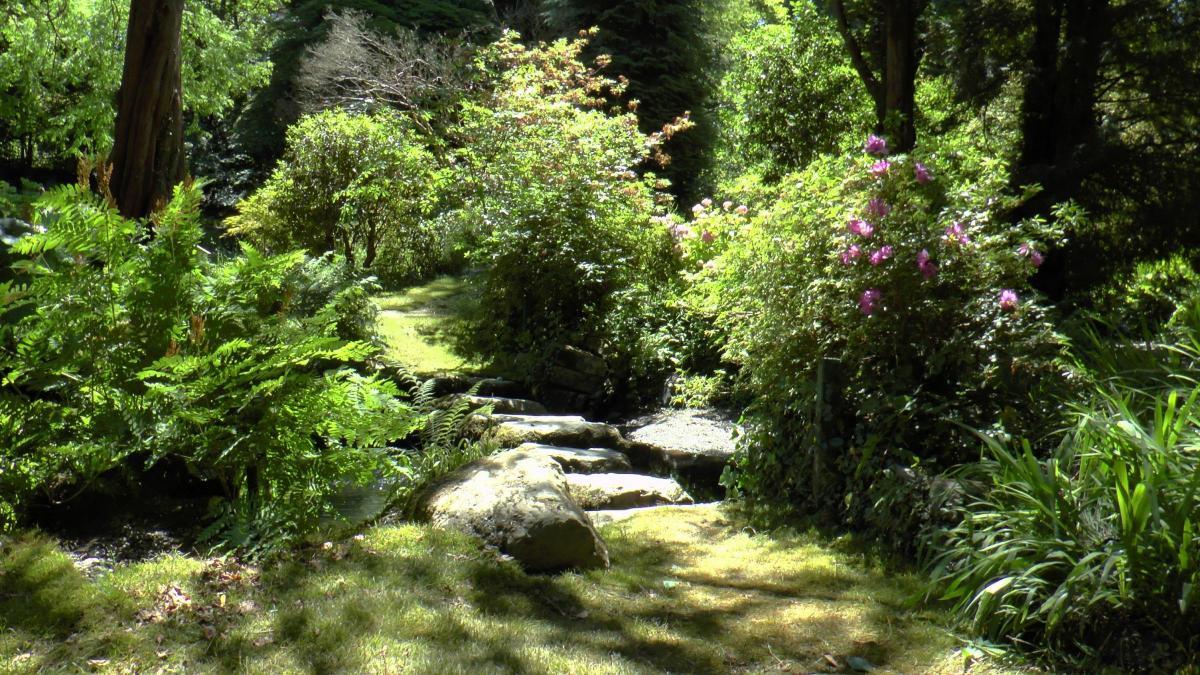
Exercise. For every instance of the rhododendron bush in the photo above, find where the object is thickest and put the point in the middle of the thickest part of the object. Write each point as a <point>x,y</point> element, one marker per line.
<point>917,291</point>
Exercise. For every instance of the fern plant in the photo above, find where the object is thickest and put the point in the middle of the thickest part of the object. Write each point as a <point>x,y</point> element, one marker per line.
<point>123,344</point>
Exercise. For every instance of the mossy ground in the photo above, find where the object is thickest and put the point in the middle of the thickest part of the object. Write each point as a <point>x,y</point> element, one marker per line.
<point>689,591</point>
<point>416,324</point>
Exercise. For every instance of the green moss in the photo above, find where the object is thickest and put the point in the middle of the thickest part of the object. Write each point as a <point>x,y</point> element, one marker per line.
<point>689,591</point>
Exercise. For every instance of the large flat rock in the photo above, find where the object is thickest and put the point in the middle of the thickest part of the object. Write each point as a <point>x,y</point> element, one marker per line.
<point>505,406</point>
<point>519,502</point>
<point>571,431</point>
<point>693,443</point>
<point>582,460</point>
<point>624,490</point>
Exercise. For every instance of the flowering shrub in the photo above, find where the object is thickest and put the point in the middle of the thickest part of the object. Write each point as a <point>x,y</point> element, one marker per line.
<point>918,291</point>
<point>567,244</point>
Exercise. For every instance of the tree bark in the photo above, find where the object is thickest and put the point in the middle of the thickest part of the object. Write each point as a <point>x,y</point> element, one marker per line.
<point>900,74</point>
<point>147,157</point>
<point>894,93</point>
<point>1059,121</point>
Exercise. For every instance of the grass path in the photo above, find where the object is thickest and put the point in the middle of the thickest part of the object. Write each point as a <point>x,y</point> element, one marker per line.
<point>688,592</point>
<point>416,324</point>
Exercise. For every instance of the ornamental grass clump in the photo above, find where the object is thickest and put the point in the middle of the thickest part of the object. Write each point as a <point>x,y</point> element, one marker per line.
<point>915,293</point>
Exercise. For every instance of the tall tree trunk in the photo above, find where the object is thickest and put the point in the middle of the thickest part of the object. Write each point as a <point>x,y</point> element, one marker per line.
<point>147,155</point>
<point>900,73</point>
<point>1059,121</point>
<point>894,93</point>
<point>1037,108</point>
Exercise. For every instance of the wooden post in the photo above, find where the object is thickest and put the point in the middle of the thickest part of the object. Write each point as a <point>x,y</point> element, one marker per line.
<point>828,428</point>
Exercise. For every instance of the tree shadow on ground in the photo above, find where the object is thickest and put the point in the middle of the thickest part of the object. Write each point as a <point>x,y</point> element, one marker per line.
<point>697,597</point>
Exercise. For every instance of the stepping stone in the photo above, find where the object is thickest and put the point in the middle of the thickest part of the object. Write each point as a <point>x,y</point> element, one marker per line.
<point>624,490</point>
<point>582,460</point>
<point>694,443</point>
<point>503,405</point>
<point>607,516</point>
<point>490,386</point>
<point>519,502</point>
<point>570,431</point>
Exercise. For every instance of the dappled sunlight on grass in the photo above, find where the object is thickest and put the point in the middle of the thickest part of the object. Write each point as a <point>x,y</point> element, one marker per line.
<point>416,324</point>
<point>688,592</point>
<point>439,296</point>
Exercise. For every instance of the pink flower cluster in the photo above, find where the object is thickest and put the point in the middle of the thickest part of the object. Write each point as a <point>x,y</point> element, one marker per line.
<point>1036,258</point>
<point>957,234</point>
<point>706,204</point>
<point>875,146</point>
<point>928,267</point>
<point>879,169</point>
<point>921,173</point>
<point>1009,300</point>
<point>877,208</point>
<point>851,254</point>
<point>861,227</point>
<point>868,302</point>
<point>881,254</point>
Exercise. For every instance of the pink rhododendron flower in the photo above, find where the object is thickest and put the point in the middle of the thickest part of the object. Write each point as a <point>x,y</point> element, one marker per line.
<point>1035,256</point>
<point>707,237</point>
<point>861,227</point>
<point>958,234</point>
<point>851,254</point>
<point>681,231</point>
<point>921,173</point>
<point>1009,299</point>
<point>881,255</point>
<point>880,168</point>
<point>928,267</point>
<point>727,205</point>
<point>878,208</point>
<point>868,302</point>
<point>743,210</point>
<point>698,209</point>
<point>875,146</point>
<point>706,202</point>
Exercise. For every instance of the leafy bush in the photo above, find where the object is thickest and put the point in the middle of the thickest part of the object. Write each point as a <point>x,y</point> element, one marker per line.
<point>790,94</point>
<point>1097,543</point>
<point>361,185</point>
<point>121,349</point>
<point>1148,296</point>
<point>566,244</point>
<point>914,295</point>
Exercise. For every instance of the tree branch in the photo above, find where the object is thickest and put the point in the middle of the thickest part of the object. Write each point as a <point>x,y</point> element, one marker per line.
<point>874,87</point>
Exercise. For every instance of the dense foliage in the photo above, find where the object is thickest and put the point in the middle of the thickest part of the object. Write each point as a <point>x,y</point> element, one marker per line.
<point>566,241</point>
<point>60,67</point>
<point>918,293</point>
<point>1095,543</point>
<point>121,350</point>
<point>360,184</point>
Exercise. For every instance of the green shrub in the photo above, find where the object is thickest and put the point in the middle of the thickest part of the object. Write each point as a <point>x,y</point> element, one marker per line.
<point>121,350</point>
<point>566,244</point>
<point>1096,544</point>
<point>916,292</point>
<point>789,94</point>
<point>359,184</point>
<point>1148,296</point>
